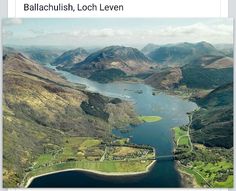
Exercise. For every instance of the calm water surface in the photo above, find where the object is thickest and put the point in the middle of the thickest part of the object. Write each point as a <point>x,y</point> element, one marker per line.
<point>158,134</point>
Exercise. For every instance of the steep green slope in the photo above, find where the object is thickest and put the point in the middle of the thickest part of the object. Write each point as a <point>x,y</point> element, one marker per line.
<point>40,109</point>
<point>207,72</point>
<point>213,124</point>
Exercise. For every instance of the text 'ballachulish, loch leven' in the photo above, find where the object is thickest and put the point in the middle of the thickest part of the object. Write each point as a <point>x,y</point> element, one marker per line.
<point>73,8</point>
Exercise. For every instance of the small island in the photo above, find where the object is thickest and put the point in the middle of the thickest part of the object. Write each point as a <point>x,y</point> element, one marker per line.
<point>149,119</point>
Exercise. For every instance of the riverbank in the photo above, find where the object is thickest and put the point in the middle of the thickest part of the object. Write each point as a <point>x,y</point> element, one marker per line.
<point>187,180</point>
<point>183,145</point>
<point>148,168</point>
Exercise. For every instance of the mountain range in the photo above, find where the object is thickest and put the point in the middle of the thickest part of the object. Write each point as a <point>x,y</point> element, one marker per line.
<point>182,53</point>
<point>44,107</point>
<point>113,61</point>
<point>42,55</point>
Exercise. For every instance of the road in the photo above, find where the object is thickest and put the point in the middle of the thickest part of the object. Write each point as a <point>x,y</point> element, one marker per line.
<point>191,148</point>
<point>104,155</point>
<point>187,135</point>
<point>188,132</point>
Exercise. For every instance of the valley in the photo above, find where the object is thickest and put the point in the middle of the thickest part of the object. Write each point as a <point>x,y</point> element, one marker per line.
<point>112,112</point>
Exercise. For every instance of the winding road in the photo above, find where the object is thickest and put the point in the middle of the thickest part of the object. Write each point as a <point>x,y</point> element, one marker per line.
<point>191,148</point>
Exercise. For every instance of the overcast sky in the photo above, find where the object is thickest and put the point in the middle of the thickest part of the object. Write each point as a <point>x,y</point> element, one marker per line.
<point>105,32</point>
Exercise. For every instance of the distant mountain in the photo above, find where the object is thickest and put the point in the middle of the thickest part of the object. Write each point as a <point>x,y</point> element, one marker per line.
<point>212,125</point>
<point>149,48</point>
<point>118,59</point>
<point>69,58</point>
<point>182,53</point>
<point>41,110</point>
<point>227,49</point>
<point>41,55</point>
<point>224,46</point>
<point>18,62</point>
<point>166,79</point>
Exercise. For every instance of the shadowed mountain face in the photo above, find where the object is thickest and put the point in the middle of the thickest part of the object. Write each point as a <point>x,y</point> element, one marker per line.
<point>125,60</point>
<point>69,58</point>
<point>166,79</point>
<point>183,53</point>
<point>40,109</point>
<point>213,123</point>
<point>206,72</point>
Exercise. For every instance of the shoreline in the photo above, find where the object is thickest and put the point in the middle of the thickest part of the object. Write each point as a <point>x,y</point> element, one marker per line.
<point>187,180</point>
<point>148,168</point>
<point>30,180</point>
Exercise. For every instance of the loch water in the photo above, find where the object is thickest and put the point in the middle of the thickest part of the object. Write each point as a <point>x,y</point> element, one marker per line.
<point>173,111</point>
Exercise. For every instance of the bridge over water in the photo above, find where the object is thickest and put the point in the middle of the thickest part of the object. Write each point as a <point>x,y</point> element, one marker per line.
<point>164,158</point>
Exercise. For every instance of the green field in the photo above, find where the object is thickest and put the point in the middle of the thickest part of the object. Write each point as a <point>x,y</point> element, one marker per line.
<point>178,132</point>
<point>212,172</point>
<point>181,137</point>
<point>149,119</point>
<point>183,140</point>
<point>229,183</point>
<point>90,154</point>
<point>103,167</point>
<point>200,181</point>
<point>121,141</point>
<point>75,148</point>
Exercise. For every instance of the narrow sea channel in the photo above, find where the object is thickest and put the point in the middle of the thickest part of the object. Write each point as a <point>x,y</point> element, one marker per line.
<point>173,111</point>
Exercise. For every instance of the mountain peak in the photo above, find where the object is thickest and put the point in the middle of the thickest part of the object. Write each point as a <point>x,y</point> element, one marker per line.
<point>126,60</point>
<point>70,57</point>
<point>204,44</point>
